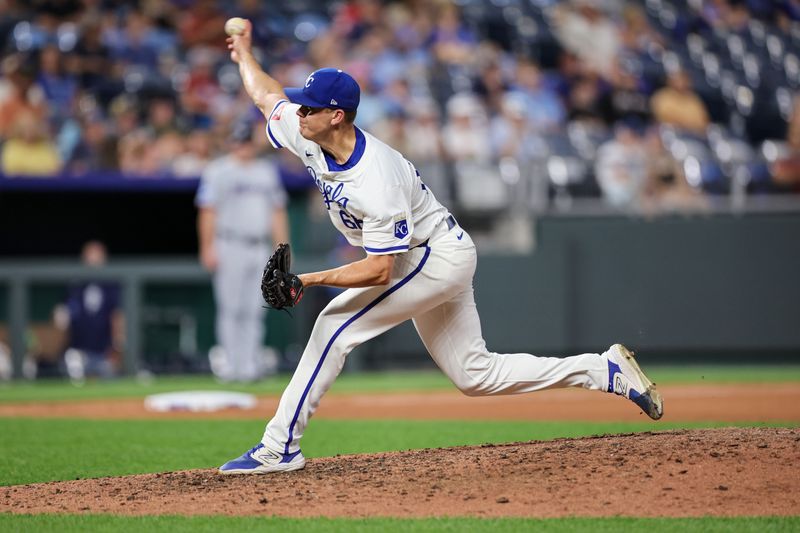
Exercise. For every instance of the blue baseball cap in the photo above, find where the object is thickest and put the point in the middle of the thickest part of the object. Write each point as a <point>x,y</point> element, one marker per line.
<point>327,87</point>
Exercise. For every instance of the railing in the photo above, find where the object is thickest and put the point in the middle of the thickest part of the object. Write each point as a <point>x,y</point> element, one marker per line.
<point>19,275</point>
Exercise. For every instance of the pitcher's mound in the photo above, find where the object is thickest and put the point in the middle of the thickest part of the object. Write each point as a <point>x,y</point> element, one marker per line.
<point>722,472</point>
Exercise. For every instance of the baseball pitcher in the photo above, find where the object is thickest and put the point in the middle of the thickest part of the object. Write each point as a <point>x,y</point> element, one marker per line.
<point>419,266</point>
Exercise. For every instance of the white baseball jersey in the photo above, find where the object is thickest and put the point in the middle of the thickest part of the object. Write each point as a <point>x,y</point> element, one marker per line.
<point>376,199</point>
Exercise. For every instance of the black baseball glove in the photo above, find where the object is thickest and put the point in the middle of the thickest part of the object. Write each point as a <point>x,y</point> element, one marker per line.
<point>279,287</point>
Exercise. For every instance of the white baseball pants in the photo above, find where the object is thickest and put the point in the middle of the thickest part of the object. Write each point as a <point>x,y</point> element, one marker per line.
<point>432,285</point>
<point>240,312</point>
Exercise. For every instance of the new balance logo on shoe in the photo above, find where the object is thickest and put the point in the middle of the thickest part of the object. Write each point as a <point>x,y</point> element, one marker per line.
<point>627,379</point>
<point>267,455</point>
<point>620,385</point>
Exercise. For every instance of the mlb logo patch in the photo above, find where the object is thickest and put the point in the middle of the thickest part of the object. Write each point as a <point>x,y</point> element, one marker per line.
<point>400,229</point>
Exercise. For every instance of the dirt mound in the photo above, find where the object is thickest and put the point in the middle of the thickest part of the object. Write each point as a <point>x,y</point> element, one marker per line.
<point>723,472</point>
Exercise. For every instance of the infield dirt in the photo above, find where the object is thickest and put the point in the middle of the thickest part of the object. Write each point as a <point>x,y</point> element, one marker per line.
<point>719,472</point>
<point>683,403</point>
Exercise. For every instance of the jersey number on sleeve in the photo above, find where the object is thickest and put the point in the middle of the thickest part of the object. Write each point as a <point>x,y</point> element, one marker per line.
<point>350,221</point>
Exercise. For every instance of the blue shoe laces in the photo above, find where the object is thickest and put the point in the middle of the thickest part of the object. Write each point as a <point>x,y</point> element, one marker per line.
<point>254,448</point>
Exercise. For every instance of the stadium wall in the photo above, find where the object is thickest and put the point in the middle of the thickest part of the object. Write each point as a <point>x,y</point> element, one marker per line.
<point>693,287</point>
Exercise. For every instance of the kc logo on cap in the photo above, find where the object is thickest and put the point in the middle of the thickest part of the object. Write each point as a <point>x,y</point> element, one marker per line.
<point>327,87</point>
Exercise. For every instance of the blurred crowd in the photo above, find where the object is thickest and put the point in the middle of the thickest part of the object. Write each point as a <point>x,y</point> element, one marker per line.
<point>654,101</point>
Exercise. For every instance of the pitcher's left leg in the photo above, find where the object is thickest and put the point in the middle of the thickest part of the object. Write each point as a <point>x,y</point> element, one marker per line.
<point>452,334</point>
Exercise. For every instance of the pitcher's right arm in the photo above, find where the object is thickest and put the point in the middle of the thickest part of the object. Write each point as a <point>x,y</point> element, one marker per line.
<point>264,90</point>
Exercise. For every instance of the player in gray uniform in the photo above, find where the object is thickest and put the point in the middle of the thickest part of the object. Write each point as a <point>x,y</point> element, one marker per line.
<point>419,266</point>
<point>241,213</point>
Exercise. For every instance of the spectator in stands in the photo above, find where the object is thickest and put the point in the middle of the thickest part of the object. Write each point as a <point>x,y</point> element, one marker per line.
<point>135,44</point>
<point>621,166</point>
<point>151,149</point>
<point>786,13</point>
<point>327,49</point>
<point>466,142</point>
<point>392,129</point>
<point>165,151</point>
<point>637,36</point>
<point>20,94</point>
<point>411,24</point>
<point>667,188</point>
<point>726,15</point>
<point>355,18</point>
<point>133,150</point>
<point>586,31</point>
<point>12,14</point>
<point>626,98</point>
<point>425,146</point>
<point>28,151</point>
<point>193,161</point>
<point>452,41</point>
<point>465,132</point>
<point>202,87</point>
<point>510,131</point>
<point>92,314</point>
<point>678,105</point>
<point>425,143</point>
<point>385,63</point>
<point>203,24</point>
<point>58,83</point>
<point>568,71</point>
<point>93,57</point>
<point>584,102</point>
<point>398,93</point>
<point>453,46</point>
<point>491,83</point>
<point>162,116</point>
<point>124,115</point>
<point>96,149</point>
<point>544,108</point>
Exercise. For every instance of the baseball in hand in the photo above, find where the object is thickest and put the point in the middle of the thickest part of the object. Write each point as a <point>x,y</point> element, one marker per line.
<point>235,26</point>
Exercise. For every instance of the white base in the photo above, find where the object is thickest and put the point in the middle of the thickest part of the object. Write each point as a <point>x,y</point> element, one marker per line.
<point>199,401</point>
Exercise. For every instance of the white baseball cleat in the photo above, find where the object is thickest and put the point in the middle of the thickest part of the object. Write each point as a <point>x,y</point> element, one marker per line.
<point>260,460</point>
<point>627,379</point>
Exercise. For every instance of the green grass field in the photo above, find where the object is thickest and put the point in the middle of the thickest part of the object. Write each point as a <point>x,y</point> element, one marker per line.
<point>35,450</point>
<point>178,524</point>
